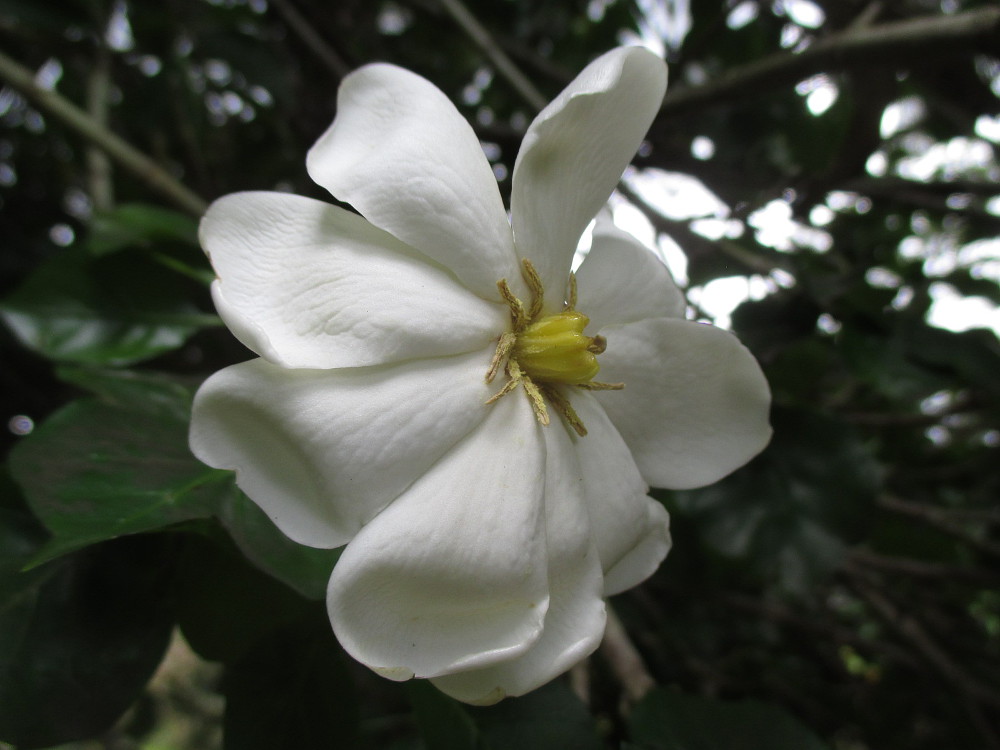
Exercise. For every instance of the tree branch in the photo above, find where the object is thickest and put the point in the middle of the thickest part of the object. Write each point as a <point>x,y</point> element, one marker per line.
<point>505,67</point>
<point>625,660</point>
<point>899,42</point>
<point>921,568</point>
<point>946,520</point>
<point>99,177</point>
<point>912,631</point>
<point>120,150</point>
<point>311,38</point>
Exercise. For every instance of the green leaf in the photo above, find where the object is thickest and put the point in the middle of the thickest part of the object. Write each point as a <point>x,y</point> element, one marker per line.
<point>787,515</point>
<point>224,606</point>
<point>291,691</point>
<point>444,723</point>
<point>139,225</point>
<point>118,464</point>
<point>115,310</point>
<point>76,650</point>
<point>126,453</point>
<point>305,569</point>
<point>20,537</point>
<point>549,717</point>
<point>673,721</point>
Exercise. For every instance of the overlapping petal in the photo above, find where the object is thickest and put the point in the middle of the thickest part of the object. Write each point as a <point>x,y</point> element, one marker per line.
<point>621,281</point>
<point>480,543</point>
<point>574,623</point>
<point>323,451</point>
<point>630,529</point>
<point>452,575</point>
<point>695,405</point>
<point>574,154</point>
<point>402,155</point>
<point>306,284</point>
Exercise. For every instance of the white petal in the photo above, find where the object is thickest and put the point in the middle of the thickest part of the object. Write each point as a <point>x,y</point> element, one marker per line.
<point>451,576</point>
<point>307,284</point>
<point>695,405</point>
<point>574,624</point>
<point>322,451</point>
<point>402,155</point>
<point>622,281</point>
<point>631,530</point>
<point>574,153</point>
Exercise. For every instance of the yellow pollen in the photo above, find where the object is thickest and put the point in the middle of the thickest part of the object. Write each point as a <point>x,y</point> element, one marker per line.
<point>544,353</point>
<point>554,349</point>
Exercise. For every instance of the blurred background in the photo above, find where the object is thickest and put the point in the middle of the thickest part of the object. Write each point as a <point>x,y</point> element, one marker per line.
<point>822,180</point>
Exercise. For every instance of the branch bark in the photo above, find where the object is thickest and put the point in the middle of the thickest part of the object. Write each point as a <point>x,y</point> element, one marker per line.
<point>625,660</point>
<point>120,150</point>
<point>505,67</point>
<point>312,39</point>
<point>900,42</point>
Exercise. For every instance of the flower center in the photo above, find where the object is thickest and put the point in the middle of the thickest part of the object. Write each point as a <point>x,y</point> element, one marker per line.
<point>554,349</point>
<point>543,353</point>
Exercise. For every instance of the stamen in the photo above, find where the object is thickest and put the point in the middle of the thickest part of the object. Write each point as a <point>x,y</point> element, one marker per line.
<point>504,345</point>
<point>593,385</point>
<point>519,318</point>
<point>534,283</point>
<point>537,400</point>
<point>552,348</point>
<point>566,410</point>
<point>507,388</point>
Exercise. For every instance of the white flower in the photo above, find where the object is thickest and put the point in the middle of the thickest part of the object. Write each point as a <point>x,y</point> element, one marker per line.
<point>480,542</point>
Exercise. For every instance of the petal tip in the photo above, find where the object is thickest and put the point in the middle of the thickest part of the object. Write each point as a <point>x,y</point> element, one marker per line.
<point>396,674</point>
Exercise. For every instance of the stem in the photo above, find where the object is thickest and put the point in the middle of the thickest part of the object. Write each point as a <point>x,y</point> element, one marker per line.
<point>625,660</point>
<point>909,629</point>
<point>505,67</point>
<point>897,43</point>
<point>945,520</point>
<point>921,568</point>
<point>120,150</point>
<point>99,179</point>
<point>311,38</point>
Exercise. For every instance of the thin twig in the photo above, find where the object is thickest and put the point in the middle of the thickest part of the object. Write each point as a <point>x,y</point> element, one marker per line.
<point>912,631</point>
<point>625,660</point>
<point>945,519</point>
<point>783,615</point>
<point>897,44</point>
<point>99,178</point>
<point>505,67</point>
<point>120,150</point>
<point>686,238</point>
<point>921,568</point>
<point>311,38</point>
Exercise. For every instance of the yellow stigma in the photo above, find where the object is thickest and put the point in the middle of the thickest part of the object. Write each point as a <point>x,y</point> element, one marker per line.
<point>554,349</point>
<point>545,353</point>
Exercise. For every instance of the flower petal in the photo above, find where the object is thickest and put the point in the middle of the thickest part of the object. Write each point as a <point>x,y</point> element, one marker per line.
<point>631,530</point>
<point>323,451</point>
<point>574,153</point>
<point>402,155</point>
<point>695,405</point>
<point>574,623</point>
<point>451,575</point>
<point>622,281</point>
<point>307,284</point>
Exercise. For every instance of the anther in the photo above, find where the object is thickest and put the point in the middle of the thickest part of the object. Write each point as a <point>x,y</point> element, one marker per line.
<point>534,283</point>
<point>504,346</point>
<point>571,294</point>
<point>597,345</point>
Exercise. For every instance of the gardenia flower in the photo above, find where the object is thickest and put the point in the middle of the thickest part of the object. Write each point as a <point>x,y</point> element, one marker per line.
<point>436,390</point>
